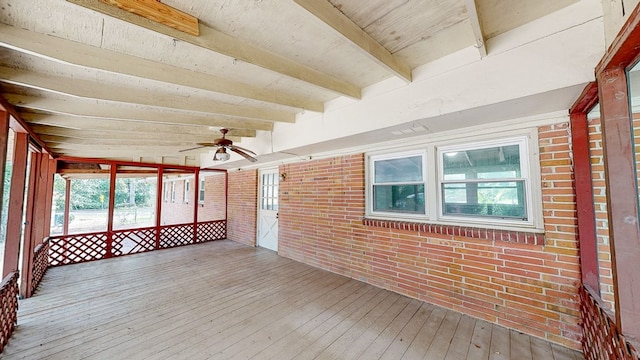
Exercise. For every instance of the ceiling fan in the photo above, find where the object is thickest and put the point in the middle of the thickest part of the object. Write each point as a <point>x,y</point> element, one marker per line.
<point>223,144</point>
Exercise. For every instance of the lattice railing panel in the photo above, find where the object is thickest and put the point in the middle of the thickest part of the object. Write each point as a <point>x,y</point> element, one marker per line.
<point>134,241</point>
<point>77,248</point>
<point>176,235</point>
<point>40,263</point>
<point>601,339</point>
<point>8,307</point>
<point>212,230</point>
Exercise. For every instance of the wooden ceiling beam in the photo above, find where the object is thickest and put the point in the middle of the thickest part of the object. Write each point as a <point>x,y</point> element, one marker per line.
<point>327,13</point>
<point>91,90</point>
<point>128,135</point>
<point>56,142</point>
<point>159,12</point>
<point>222,43</point>
<point>91,57</point>
<point>476,25</point>
<point>108,125</point>
<point>81,108</point>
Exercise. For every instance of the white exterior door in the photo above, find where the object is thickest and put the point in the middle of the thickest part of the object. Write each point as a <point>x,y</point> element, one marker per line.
<point>268,209</point>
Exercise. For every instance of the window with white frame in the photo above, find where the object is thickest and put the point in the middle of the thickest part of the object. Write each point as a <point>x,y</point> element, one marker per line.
<point>487,183</point>
<point>398,183</point>
<point>173,191</point>
<point>485,180</point>
<point>201,191</point>
<point>186,192</point>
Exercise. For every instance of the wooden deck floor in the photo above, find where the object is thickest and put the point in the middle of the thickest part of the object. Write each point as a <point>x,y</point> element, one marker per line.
<point>223,300</point>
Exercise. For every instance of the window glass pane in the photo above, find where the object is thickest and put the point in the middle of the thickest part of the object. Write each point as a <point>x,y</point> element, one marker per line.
<point>201,190</point>
<point>500,162</point>
<point>135,203</point>
<point>89,205</point>
<point>57,206</point>
<point>407,169</point>
<point>491,199</point>
<point>399,198</point>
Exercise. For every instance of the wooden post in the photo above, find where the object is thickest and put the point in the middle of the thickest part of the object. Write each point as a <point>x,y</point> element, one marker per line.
<point>67,206</point>
<point>113,168</point>
<point>4,140</point>
<point>196,195</point>
<point>622,192</point>
<point>584,202</point>
<point>39,219</point>
<point>49,197</point>
<point>16,204</point>
<point>159,206</point>
<point>590,270</point>
<point>27,250</point>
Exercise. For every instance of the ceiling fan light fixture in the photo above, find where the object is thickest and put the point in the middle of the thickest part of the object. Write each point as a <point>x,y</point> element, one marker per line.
<point>221,155</point>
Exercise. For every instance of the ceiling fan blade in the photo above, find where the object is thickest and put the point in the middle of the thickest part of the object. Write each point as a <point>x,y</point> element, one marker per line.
<point>234,147</point>
<point>193,148</point>
<point>244,154</point>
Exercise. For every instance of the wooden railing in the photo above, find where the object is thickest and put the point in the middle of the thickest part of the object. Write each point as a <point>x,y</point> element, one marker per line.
<point>40,263</point>
<point>77,248</point>
<point>601,338</point>
<point>8,307</point>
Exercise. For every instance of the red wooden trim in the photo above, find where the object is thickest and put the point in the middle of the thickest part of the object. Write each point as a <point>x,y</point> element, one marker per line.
<point>4,139</point>
<point>125,163</point>
<point>517,237</point>
<point>622,192</point>
<point>40,213</point>
<point>19,125</point>
<point>587,100</point>
<point>27,249</point>
<point>49,197</point>
<point>67,206</point>
<point>113,169</point>
<point>624,49</point>
<point>159,205</point>
<point>226,195</point>
<point>16,203</point>
<point>196,205</point>
<point>584,201</point>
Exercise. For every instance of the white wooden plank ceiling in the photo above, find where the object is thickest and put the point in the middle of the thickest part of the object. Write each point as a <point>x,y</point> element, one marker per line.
<point>94,80</point>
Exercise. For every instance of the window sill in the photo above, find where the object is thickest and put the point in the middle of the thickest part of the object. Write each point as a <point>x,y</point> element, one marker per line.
<point>508,236</point>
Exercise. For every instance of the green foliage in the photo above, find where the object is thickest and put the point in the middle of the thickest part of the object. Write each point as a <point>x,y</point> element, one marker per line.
<point>91,194</point>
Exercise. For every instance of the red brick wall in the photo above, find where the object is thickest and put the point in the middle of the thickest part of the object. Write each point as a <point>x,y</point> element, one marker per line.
<point>214,206</point>
<point>181,211</point>
<point>530,288</point>
<point>178,211</point>
<point>243,206</point>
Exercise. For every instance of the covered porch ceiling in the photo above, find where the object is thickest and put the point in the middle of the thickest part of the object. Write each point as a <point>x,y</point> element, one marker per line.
<point>144,80</point>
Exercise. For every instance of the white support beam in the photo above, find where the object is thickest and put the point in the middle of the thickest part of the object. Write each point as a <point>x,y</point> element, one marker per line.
<point>133,137</point>
<point>82,108</point>
<point>222,43</point>
<point>108,125</point>
<point>476,25</point>
<point>86,56</point>
<point>61,141</point>
<point>327,13</point>
<point>97,91</point>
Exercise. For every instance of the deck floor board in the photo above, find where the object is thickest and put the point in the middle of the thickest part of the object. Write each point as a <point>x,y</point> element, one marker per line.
<point>224,300</point>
